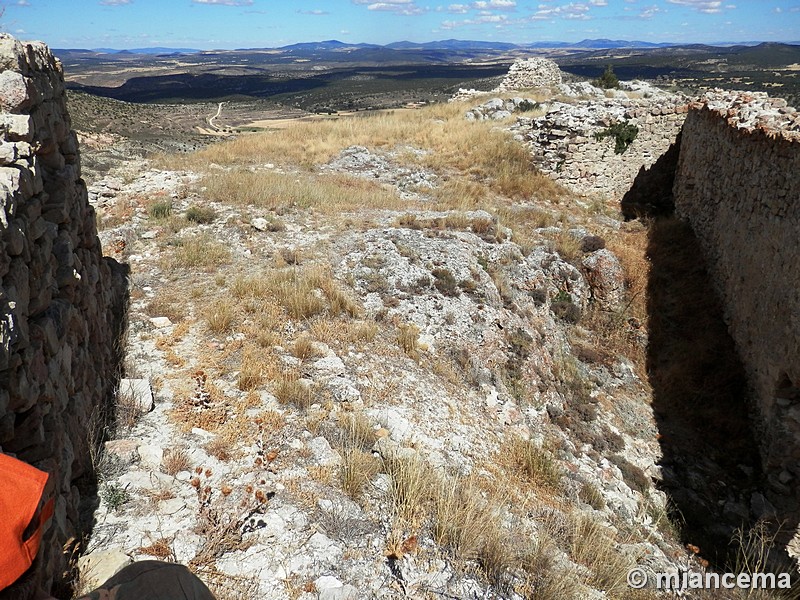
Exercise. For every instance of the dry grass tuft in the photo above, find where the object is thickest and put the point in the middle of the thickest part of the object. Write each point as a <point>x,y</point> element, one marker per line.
<point>303,347</point>
<point>220,448</point>
<point>198,252</point>
<point>408,339</point>
<point>254,368</point>
<point>220,316</point>
<point>160,548</point>
<point>472,527</point>
<point>174,461</point>
<point>358,468</point>
<point>412,485</point>
<point>534,463</point>
<point>288,389</point>
<point>167,305</point>
<point>568,246</point>
<point>594,546</point>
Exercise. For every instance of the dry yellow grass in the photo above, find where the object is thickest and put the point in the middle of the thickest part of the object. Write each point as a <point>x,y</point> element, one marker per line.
<point>471,527</point>
<point>534,463</point>
<point>175,460</point>
<point>594,546</point>
<point>220,315</point>
<point>408,339</point>
<point>477,150</point>
<point>254,369</point>
<point>197,252</point>
<point>332,193</point>
<point>288,389</point>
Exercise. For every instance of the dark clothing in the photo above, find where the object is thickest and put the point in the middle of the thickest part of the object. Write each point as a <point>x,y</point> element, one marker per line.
<point>152,580</point>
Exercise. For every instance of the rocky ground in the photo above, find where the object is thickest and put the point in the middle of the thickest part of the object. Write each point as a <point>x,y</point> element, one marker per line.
<point>378,394</point>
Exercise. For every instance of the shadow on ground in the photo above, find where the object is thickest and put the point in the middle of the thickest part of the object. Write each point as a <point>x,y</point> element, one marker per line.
<point>710,464</point>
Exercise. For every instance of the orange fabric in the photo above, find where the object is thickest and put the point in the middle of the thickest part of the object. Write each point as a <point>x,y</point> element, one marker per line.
<point>21,487</point>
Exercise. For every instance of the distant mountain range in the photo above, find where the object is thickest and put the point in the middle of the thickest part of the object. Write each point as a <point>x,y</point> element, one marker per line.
<point>452,44</point>
<point>155,50</point>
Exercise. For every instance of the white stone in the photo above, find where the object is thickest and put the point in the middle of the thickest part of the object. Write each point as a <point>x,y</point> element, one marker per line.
<point>161,322</point>
<point>260,223</point>
<point>97,567</point>
<point>140,393</point>
<point>151,455</point>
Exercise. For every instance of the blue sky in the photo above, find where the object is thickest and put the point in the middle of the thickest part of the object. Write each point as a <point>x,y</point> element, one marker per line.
<point>208,24</point>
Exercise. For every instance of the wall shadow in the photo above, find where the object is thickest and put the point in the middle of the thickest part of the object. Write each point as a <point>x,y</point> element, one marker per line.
<point>710,461</point>
<point>97,428</point>
<point>651,192</point>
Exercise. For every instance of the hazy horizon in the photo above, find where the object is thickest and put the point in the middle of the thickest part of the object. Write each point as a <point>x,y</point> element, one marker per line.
<point>230,24</point>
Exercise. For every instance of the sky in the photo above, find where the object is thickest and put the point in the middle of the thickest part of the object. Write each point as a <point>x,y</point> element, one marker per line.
<point>223,24</point>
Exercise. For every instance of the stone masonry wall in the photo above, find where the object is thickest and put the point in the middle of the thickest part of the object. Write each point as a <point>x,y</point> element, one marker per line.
<point>738,184</point>
<point>61,302</point>
<point>563,141</point>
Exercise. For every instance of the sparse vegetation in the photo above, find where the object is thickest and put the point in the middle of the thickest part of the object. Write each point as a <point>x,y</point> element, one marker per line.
<point>160,210</point>
<point>623,133</point>
<point>198,252</point>
<point>608,80</point>
<point>257,326</point>
<point>175,460</point>
<point>201,214</point>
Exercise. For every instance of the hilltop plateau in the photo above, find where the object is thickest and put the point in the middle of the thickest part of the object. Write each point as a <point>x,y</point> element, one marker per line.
<point>408,351</point>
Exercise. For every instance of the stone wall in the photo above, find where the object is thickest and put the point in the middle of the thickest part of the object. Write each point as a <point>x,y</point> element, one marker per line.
<point>564,146</point>
<point>62,303</point>
<point>531,73</point>
<point>738,184</point>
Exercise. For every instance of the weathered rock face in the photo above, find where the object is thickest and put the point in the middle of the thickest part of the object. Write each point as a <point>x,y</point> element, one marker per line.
<point>737,184</point>
<point>61,301</point>
<point>531,73</point>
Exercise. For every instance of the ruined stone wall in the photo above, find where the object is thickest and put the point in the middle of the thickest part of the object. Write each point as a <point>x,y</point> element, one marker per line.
<point>61,302</point>
<point>564,146</point>
<point>738,184</point>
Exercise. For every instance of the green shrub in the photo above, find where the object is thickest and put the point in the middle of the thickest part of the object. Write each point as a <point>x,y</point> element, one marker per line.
<point>200,214</point>
<point>624,133</point>
<point>563,307</point>
<point>608,80</point>
<point>445,282</point>
<point>527,106</point>
<point>114,495</point>
<point>160,210</point>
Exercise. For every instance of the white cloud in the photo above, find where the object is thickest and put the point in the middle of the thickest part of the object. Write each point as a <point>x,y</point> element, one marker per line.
<point>400,7</point>
<point>572,11</point>
<point>225,2</point>
<point>495,5</point>
<point>458,9</point>
<point>709,7</point>
<point>103,2</point>
<point>648,12</point>
<point>315,12</point>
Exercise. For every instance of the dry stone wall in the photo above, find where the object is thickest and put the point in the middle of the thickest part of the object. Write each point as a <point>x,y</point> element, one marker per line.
<point>738,184</point>
<point>564,145</point>
<point>61,302</point>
